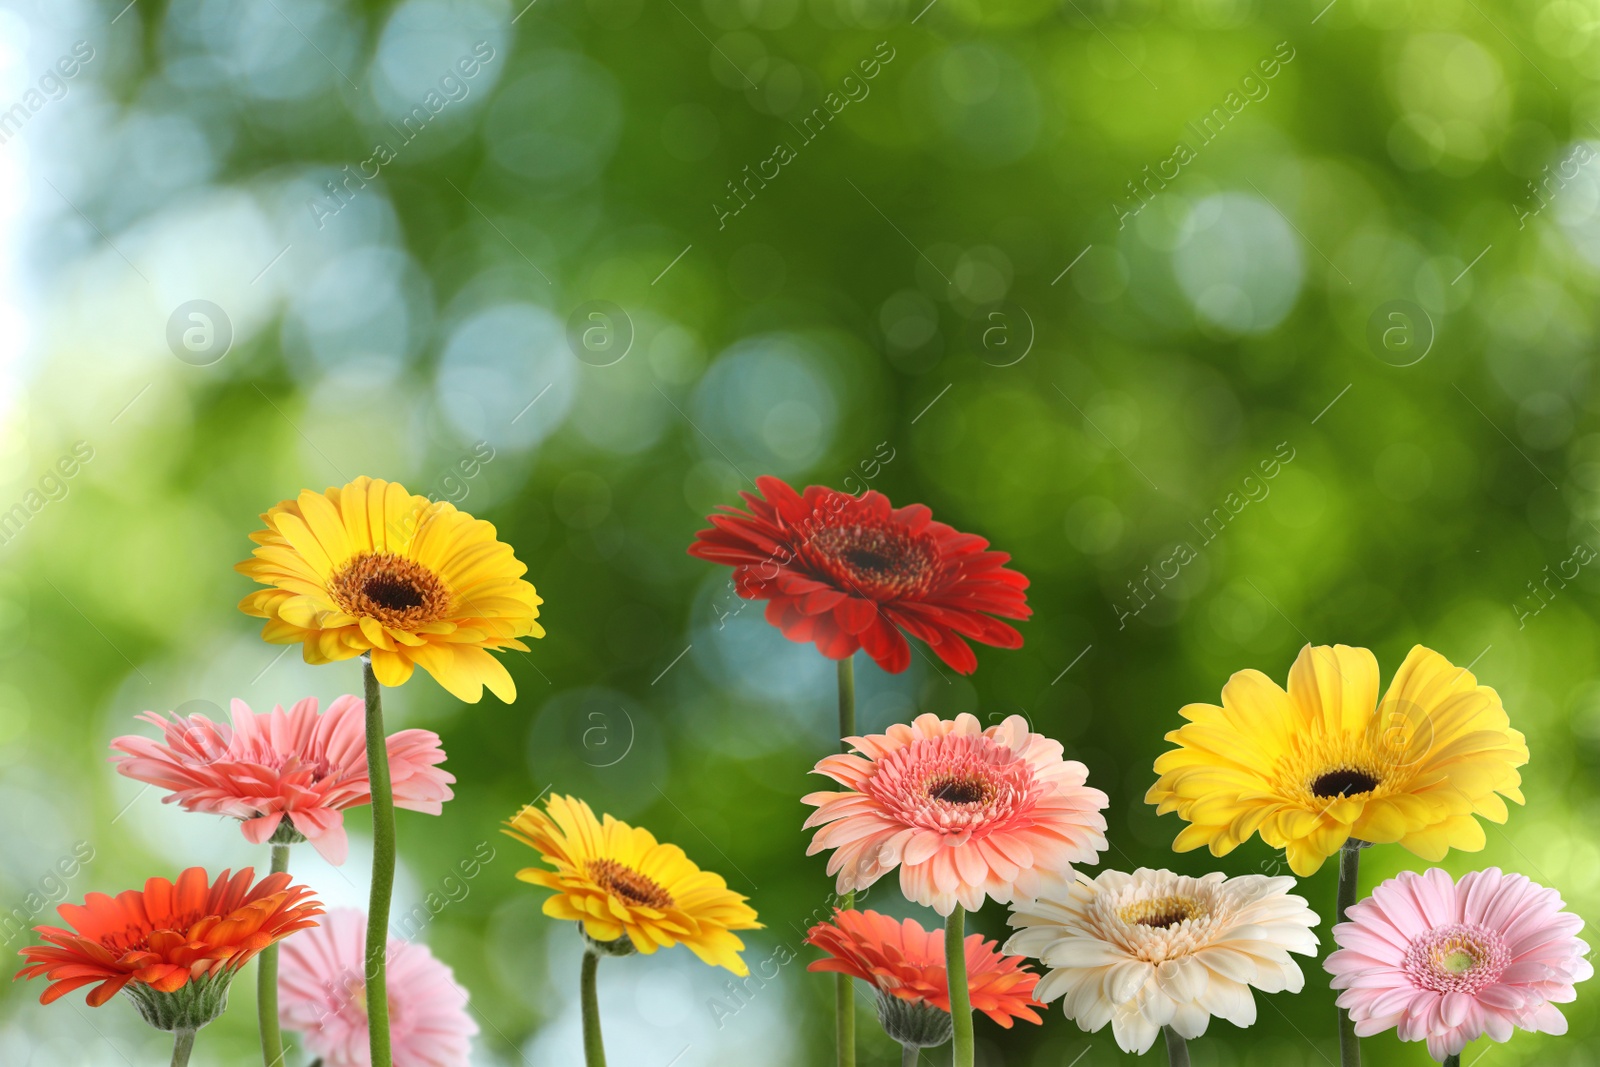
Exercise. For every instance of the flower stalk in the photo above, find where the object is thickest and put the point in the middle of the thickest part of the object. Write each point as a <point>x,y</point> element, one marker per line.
<point>267,982</point>
<point>844,994</point>
<point>908,1055</point>
<point>182,1045</point>
<point>383,860</point>
<point>1177,1048</point>
<point>594,1049</point>
<point>955,965</point>
<point>1349,886</point>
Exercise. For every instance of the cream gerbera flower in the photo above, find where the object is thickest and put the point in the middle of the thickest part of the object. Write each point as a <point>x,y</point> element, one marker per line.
<point>1327,762</point>
<point>371,569</point>
<point>1153,948</point>
<point>617,880</point>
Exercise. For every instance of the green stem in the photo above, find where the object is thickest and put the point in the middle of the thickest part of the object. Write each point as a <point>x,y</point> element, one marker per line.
<point>182,1045</point>
<point>847,701</point>
<point>594,1049</point>
<point>955,965</point>
<point>1452,1061</point>
<point>383,853</point>
<point>908,1056</point>
<point>844,993</point>
<point>267,983</point>
<point>1349,884</point>
<point>1177,1048</point>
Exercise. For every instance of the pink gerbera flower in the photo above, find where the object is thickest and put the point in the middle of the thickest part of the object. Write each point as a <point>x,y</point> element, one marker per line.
<point>322,996</point>
<point>962,811</point>
<point>281,765</point>
<point>1448,962</point>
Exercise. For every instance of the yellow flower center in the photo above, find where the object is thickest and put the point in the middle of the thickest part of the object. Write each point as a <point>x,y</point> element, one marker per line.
<point>1160,912</point>
<point>1323,768</point>
<point>629,885</point>
<point>392,589</point>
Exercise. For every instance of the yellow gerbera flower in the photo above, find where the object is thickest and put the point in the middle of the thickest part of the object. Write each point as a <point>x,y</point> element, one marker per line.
<point>372,568</point>
<point>617,879</point>
<point>1326,762</point>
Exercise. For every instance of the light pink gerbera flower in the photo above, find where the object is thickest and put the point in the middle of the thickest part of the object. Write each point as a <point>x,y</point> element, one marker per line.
<point>962,811</point>
<point>281,765</point>
<point>1448,962</point>
<point>322,996</point>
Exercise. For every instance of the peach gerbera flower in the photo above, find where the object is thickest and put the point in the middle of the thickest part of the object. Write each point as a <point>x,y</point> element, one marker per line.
<point>1447,962</point>
<point>323,997</point>
<point>904,961</point>
<point>371,569</point>
<point>277,767</point>
<point>174,948</point>
<point>964,812</point>
<point>1151,949</point>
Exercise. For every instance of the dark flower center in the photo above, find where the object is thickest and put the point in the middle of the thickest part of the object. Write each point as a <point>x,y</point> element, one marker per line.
<point>628,884</point>
<point>1345,782</point>
<point>392,589</point>
<point>959,790</point>
<point>876,560</point>
<point>396,594</point>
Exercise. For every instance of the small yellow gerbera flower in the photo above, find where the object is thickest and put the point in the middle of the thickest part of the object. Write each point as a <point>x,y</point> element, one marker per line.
<point>1328,762</point>
<point>616,879</point>
<point>372,568</point>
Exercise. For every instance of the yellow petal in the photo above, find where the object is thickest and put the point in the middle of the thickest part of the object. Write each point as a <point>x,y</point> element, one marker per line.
<point>390,668</point>
<point>1336,685</point>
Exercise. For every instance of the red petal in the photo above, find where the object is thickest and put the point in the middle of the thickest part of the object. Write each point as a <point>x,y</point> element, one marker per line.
<point>887,646</point>
<point>855,615</point>
<point>819,602</point>
<point>957,653</point>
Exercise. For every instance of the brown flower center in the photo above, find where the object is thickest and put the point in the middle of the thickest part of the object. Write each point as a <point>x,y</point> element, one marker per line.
<point>627,884</point>
<point>392,589</point>
<point>1344,782</point>
<point>1160,912</point>
<point>960,789</point>
<point>877,561</point>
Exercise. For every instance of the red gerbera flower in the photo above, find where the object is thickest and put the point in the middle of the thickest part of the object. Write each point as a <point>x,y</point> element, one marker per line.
<point>849,572</point>
<point>186,940</point>
<point>903,960</point>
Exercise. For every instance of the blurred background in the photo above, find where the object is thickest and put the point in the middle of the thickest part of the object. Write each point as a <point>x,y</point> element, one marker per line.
<point>1078,275</point>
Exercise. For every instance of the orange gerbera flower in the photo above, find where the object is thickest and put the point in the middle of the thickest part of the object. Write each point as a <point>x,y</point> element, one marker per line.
<point>174,948</point>
<point>371,569</point>
<point>903,960</point>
